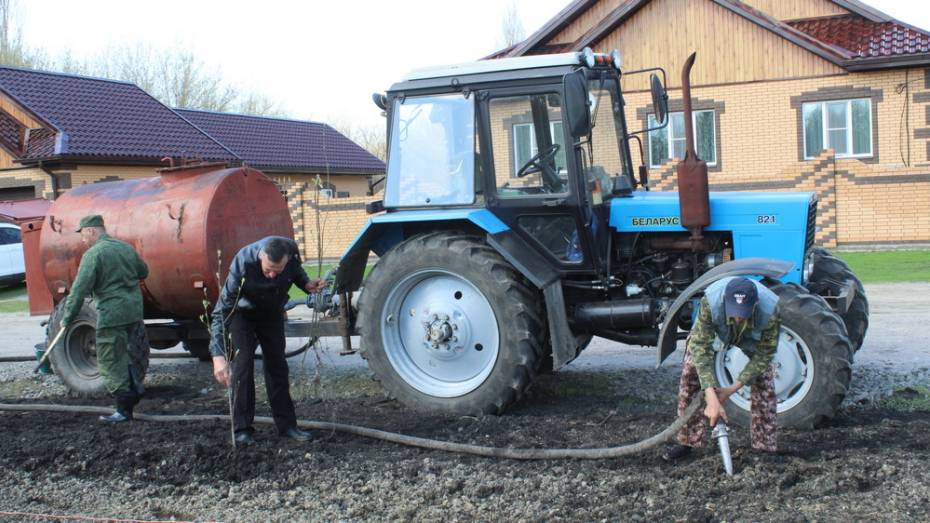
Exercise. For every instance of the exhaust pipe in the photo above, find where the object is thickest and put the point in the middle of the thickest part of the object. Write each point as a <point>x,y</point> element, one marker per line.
<point>693,192</point>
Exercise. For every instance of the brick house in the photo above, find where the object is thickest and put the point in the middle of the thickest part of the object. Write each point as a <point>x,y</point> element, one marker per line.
<point>58,131</point>
<point>815,95</point>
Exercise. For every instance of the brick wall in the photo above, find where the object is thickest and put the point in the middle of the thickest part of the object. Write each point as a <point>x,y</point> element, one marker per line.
<point>868,201</point>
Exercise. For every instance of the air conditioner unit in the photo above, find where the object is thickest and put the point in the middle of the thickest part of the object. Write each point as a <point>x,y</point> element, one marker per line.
<point>326,193</point>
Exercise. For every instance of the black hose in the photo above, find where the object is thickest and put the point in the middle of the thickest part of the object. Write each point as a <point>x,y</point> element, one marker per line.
<point>413,441</point>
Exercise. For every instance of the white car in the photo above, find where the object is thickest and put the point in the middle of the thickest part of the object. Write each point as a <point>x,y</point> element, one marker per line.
<point>12,264</point>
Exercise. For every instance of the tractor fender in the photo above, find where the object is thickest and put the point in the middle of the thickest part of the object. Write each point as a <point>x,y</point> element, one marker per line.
<point>765,267</point>
<point>384,231</point>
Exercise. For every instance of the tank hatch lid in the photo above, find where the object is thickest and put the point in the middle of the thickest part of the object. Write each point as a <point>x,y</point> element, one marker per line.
<point>24,210</point>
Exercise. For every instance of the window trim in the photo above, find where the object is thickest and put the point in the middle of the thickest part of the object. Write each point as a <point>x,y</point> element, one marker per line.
<point>825,129</point>
<point>668,130</point>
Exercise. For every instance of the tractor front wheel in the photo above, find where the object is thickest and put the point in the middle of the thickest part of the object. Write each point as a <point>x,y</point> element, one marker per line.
<point>448,325</point>
<point>812,364</point>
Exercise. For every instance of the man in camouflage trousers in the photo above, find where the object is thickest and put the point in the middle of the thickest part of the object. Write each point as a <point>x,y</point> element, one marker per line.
<point>742,313</point>
<point>110,270</point>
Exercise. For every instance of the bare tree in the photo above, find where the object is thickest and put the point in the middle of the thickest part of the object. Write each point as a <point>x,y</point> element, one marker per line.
<point>13,50</point>
<point>258,105</point>
<point>175,76</point>
<point>370,137</point>
<point>511,26</point>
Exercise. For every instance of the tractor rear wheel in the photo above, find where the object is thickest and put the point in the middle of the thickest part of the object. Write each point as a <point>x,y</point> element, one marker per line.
<point>827,278</point>
<point>448,325</point>
<point>812,364</point>
<point>74,360</point>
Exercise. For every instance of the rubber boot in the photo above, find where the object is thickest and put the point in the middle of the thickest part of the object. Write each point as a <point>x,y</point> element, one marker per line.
<point>124,404</point>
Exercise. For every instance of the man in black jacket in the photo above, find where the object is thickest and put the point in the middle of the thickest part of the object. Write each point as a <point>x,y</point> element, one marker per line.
<point>250,311</point>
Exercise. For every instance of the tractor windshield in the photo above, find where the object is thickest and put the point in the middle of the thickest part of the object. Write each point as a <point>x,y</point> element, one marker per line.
<point>609,157</point>
<point>432,152</point>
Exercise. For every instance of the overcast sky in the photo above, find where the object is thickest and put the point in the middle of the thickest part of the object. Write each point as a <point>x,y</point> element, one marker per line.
<point>318,60</point>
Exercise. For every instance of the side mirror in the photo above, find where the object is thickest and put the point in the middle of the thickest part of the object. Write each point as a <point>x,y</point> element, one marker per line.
<point>659,98</point>
<point>577,111</point>
<point>381,101</point>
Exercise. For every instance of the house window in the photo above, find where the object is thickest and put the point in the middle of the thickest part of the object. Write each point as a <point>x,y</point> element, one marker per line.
<point>668,143</point>
<point>524,144</point>
<point>842,125</point>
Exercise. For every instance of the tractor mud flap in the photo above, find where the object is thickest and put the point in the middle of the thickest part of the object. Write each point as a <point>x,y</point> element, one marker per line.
<point>843,300</point>
<point>564,346</point>
<point>765,267</point>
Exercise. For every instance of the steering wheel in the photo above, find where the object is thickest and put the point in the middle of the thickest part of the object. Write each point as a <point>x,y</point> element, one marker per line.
<point>539,161</point>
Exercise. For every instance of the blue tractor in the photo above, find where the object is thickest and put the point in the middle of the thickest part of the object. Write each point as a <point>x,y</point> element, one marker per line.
<point>516,229</point>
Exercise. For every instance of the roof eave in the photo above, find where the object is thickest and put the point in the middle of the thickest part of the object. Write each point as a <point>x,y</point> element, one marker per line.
<point>608,24</point>
<point>316,170</point>
<point>887,62</point>
<point>552,27</point>
<point>827,52</point>
<point>93,159</point>
<point>865,11</point>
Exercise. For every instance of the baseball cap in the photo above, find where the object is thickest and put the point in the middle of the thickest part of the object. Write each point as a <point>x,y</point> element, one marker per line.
<point>91,220</point>
<point>740,298</point>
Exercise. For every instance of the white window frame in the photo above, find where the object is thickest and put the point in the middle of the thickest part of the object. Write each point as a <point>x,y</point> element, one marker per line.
<point>825,129</point>
<point>533,147</point>
<point>670,139</point>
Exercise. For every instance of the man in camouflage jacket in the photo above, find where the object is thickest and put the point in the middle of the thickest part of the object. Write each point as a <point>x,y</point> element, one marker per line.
<point>741,313</point>
<point>110,270</point>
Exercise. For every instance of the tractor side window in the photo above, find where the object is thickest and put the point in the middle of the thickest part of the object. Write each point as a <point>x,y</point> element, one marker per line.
<point>528,145</point>
<point>606,133</point>
<point>432,152</point>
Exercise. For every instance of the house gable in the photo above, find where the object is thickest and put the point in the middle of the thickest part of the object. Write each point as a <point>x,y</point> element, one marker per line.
<point>730,48</point>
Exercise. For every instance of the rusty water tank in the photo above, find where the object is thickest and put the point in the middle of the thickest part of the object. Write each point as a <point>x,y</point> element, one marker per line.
<point>187,224</point>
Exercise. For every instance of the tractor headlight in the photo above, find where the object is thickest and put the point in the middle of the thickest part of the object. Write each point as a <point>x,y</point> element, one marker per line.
<point>615,58</point>
<point>808,267</point>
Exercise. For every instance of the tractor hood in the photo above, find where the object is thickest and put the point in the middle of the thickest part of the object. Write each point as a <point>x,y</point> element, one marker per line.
<point>765,225</point>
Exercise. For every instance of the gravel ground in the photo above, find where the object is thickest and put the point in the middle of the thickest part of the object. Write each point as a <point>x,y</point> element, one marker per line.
<point>870,463</point>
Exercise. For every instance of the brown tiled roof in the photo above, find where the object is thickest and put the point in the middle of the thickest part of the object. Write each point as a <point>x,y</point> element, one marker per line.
<point>862,38</point>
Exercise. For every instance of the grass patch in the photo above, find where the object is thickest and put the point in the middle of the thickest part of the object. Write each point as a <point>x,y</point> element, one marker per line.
<point>909,399</point>
<point>14,306</point>
<point>13,292</point>
<point>889,266</point>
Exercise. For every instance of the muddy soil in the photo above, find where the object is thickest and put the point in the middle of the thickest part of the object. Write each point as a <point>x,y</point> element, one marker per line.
<point>869,464</point>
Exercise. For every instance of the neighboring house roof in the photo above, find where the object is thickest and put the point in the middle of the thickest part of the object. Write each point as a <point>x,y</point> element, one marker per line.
<point>864,39</point>
<point>285,145</point>
<point>93,118</point>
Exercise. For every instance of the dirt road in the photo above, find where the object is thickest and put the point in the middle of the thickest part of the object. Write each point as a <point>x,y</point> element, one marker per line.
<point>870,463</point>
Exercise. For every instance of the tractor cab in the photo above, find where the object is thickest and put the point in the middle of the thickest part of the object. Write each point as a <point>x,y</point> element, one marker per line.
<point>541,143</point>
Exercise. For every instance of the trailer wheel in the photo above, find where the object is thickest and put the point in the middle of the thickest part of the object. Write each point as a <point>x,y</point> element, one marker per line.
<point>812,365</point>
<point>827,278</point>
<point>75,358</point>
<point>448,325</point>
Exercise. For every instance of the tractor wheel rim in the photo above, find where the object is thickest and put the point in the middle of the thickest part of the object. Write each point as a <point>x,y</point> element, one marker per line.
<point>440,333</point>
<point>80,350</point>
<point>793,367</point>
